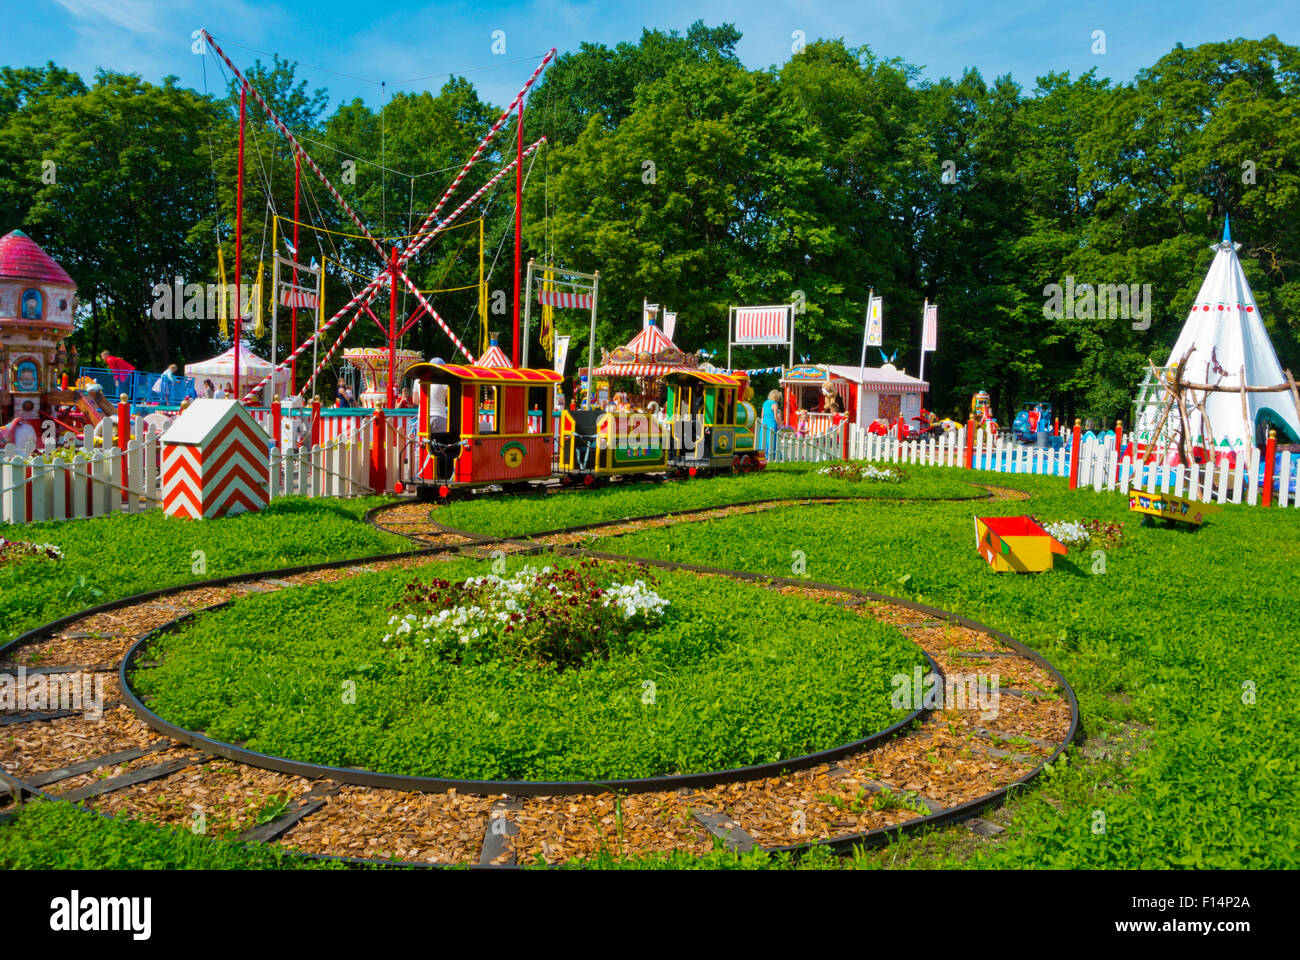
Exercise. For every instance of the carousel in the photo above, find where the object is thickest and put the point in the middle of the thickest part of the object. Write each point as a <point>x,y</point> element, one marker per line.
<point>37,303</point>
<point>373,363</point>
<point>630,377</point>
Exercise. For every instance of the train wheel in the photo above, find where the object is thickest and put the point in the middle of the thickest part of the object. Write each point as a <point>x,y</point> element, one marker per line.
<point>589,481</point>
<point>566,480</point>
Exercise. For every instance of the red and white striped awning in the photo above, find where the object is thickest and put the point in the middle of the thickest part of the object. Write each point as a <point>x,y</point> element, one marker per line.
<point>635,370</point>
<point>300,297</point>
<point>554,298</point>
<point>762,324</point>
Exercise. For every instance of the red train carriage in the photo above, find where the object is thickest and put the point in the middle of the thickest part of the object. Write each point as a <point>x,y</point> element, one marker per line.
<point>497,428</point>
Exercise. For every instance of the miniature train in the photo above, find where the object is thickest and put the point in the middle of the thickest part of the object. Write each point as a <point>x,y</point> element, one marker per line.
<point>499,430</point>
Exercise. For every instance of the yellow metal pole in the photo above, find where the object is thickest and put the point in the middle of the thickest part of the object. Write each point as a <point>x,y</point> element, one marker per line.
<point>482,294</point>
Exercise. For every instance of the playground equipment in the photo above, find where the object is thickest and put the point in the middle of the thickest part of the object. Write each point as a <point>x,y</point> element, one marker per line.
<point>981,411</point>
<point>931,426</point>
<point>1015,543</point>
<point>37,303</point>
<point>1169,508</point>
<point>1030,420</point>
<point>395,253</point>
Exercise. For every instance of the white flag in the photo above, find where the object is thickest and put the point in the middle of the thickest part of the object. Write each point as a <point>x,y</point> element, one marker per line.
<point>930,328</point>
<point>670,324</point>
<point>561,353</point>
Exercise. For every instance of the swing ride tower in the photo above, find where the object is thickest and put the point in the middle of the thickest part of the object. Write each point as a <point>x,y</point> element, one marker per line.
<point>395,260</point>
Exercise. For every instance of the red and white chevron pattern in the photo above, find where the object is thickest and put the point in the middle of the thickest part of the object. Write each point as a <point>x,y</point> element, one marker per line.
<point>226,474</point>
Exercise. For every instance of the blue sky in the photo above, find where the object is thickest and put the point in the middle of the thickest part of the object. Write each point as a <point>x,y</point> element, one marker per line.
<point>400,41</point>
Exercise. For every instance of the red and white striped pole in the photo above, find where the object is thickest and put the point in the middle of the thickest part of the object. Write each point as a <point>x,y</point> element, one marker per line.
<point>239,232</point>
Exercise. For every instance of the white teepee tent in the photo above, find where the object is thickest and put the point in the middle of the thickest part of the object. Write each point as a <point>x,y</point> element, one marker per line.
<point>1228,341</point>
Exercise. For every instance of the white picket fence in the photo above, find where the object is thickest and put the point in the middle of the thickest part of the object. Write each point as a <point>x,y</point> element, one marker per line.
<point>98,481</point>
<point>1101,469</point>
<point>788,447</point>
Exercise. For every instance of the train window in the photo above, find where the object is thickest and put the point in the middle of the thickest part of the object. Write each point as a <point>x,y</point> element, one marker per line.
<point>487,409</point>
<point>538,408</point>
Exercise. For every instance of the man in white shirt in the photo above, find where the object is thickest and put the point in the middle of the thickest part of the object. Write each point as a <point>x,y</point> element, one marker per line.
<point>437,405</point>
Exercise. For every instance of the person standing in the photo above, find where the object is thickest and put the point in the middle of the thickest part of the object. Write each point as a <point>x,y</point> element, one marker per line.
<point>121,370</point>
<point>437,404</point>
<point>771,420</point>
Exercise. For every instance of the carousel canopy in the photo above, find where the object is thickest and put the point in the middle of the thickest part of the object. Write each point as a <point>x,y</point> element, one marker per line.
<point>649,354</point>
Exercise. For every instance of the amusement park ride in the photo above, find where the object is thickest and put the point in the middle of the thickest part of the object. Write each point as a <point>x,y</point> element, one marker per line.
<point>395,259</point>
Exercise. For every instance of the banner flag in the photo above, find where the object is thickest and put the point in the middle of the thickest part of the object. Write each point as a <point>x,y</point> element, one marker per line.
<point>875,324</point>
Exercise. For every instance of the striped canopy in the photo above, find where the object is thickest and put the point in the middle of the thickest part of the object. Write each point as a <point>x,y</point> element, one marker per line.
<point>634,370</point>
<point>424,371</point>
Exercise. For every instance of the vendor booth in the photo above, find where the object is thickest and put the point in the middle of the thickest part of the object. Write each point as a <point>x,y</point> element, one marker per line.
<point>829,393</point>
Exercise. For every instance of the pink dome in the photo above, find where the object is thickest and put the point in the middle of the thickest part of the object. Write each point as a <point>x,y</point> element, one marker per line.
<point>22,259</point>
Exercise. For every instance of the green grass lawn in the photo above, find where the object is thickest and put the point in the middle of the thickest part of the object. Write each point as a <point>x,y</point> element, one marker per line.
<point>532,513</point>
<point>736,675</point>
<point>1180,645</point>
<point>112,557</point>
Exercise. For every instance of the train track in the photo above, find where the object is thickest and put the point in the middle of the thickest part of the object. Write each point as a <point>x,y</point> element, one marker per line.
<point>947,765</point>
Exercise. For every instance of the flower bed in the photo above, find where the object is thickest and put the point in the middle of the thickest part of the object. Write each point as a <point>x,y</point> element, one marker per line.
<point>859,471</point>
<point>16,551</point>
<point>547,616</point>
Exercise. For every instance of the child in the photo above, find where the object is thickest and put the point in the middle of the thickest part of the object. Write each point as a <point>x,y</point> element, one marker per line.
<point>803,428</point>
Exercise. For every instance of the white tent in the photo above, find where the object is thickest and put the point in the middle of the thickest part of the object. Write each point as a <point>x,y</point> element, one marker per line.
<point>221,371</point>
<point>1226,335</point>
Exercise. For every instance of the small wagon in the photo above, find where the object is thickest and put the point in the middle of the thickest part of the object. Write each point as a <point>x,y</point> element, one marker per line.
<point>1164,506</point>
<point>1015,543</point>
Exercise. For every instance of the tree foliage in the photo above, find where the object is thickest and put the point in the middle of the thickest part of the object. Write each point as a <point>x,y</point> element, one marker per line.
<point>688,179</point>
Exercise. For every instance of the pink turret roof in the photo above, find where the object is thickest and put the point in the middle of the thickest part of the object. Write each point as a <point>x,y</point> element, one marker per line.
<point>22,259</point>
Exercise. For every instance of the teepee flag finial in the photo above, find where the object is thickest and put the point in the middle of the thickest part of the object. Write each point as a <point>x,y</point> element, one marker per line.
<point>1227,235</point>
